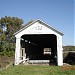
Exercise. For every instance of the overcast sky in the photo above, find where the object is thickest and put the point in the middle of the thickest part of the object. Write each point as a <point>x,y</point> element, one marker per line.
<point>57,13</point>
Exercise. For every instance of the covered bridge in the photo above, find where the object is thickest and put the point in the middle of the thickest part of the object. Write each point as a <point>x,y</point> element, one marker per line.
<point>34,39</point>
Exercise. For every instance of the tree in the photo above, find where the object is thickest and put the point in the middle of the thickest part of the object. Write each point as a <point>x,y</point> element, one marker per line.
<point>8,26</point>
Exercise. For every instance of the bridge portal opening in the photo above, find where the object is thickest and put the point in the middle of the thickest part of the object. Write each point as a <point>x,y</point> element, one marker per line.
<point>40,46</point>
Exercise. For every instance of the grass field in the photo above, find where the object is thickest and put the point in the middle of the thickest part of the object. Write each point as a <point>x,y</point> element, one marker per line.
<point>38,70</point>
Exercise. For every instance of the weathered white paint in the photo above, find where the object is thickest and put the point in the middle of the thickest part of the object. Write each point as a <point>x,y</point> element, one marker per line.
<point>59,51</point>
<point>17,51</point>
<point>38,28</point>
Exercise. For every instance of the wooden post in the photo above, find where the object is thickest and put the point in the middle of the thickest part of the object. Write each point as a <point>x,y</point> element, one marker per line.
<point>59,51</point>
<point>17,51</point>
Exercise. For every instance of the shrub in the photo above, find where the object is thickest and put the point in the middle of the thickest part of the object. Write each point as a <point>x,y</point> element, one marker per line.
<point>7,49</point>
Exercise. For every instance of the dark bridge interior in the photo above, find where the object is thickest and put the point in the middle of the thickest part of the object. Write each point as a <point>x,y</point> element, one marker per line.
<point>34,46</point>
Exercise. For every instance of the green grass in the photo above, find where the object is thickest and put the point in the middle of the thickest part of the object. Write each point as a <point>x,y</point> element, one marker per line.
<point>37,70</point>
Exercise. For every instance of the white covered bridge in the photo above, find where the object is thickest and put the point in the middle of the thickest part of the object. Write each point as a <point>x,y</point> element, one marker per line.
<point>33,39</point>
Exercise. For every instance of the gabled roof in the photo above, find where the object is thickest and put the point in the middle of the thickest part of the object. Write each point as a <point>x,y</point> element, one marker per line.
<point>41,22</point>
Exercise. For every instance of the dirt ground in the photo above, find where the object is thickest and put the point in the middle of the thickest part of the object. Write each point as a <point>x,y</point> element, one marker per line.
<point>5,60</point>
